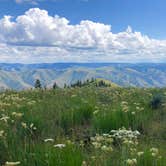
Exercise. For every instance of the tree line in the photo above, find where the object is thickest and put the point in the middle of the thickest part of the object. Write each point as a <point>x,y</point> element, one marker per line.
<point>79,83</point>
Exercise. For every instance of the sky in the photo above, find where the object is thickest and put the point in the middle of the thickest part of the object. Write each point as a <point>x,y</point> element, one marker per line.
<point>47,31</point>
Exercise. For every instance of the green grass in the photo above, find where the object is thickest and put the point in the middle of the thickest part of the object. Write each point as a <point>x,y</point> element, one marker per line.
<point>72,116</point>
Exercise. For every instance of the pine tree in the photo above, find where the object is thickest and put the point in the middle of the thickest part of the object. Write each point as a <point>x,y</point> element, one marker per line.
<point>92,79</point>
<point>55,85</point>
<point>38,84</point>
<point>65,86</point>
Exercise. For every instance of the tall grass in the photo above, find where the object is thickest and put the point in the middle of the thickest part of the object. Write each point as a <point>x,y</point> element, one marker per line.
<point>71,117</point>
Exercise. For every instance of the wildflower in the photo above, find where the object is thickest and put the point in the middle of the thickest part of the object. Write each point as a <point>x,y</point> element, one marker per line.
<point>31,102</point>
<point>17,114</point>
<point>133,150</point>
<point>84,163</point>
<point>96,145</point>
<point>69,142</point>
<point>131,162</point>
<point>106,149</point>
<point>96,112</point>
<point>99,138</point>
<point>141,109</point>
<point>32,126</point>
<point>1,133</point>
<point>5,118</point>
<point>125,108</point>
<point>109,140</point>
<point>82,143</point>
<point>127,136</point>
<point>128,142</point>
<point>60,146</point>
<point>24,125</point>
<point>124,102</point>
<point>134,161</point>
<point>93,157</point>
<point>49,140</point>
<point>154,152</point>
<point>136,103</point>
<point>14,113</point>
<point>12,163</point>
<point>105,135</point>
<point>72,96</point>
<point>124,105</point>
<point>140,153</point>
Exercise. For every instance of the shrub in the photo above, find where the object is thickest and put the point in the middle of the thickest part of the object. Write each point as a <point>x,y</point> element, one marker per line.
<point>156,101</point>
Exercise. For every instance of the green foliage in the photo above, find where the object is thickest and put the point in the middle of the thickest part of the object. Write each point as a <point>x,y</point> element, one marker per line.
<point>105,122</point>
<point>102,83</point>
<point>156,101</point>
<point>76,116</point>
<point>65,157</point>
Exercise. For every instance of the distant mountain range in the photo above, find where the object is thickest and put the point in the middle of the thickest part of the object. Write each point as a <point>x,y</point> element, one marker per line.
<point>23,76</point>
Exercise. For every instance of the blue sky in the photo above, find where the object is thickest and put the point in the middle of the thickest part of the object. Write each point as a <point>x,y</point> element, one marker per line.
<point>146,19</point>
<point>147,16</point>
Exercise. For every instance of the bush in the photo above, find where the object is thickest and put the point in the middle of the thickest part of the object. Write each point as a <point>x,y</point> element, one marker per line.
<point>156,101</point>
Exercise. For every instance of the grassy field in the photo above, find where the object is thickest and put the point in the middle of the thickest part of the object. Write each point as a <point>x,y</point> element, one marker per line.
<point>87,126</point>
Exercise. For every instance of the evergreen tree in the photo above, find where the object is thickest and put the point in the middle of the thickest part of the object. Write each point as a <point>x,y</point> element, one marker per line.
<point>55,85</point>
<point>92,80</point>
<point>65,86</point>
<point>38,84</point>
<point>79,83</point>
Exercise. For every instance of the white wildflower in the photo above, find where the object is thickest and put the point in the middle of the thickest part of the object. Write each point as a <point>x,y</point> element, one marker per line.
<point>140,153</point>
<point>12,163</point>
<point>60,146</point>
<point>49,140</point>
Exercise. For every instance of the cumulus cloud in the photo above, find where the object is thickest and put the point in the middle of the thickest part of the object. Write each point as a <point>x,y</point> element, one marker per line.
<point>37,36</point>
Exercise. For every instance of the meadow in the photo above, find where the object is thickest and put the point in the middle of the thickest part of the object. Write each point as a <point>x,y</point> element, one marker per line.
<point>83,126</point>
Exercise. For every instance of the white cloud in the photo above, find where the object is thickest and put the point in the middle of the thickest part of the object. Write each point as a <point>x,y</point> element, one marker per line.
<point>33,2</point>
<point>39,37</point>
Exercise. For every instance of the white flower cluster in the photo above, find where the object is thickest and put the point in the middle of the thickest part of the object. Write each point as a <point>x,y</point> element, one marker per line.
<point>124,133</point>
<point>102,142</point>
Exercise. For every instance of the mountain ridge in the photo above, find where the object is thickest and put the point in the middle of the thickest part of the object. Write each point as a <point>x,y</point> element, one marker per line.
<point>22,76</point>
